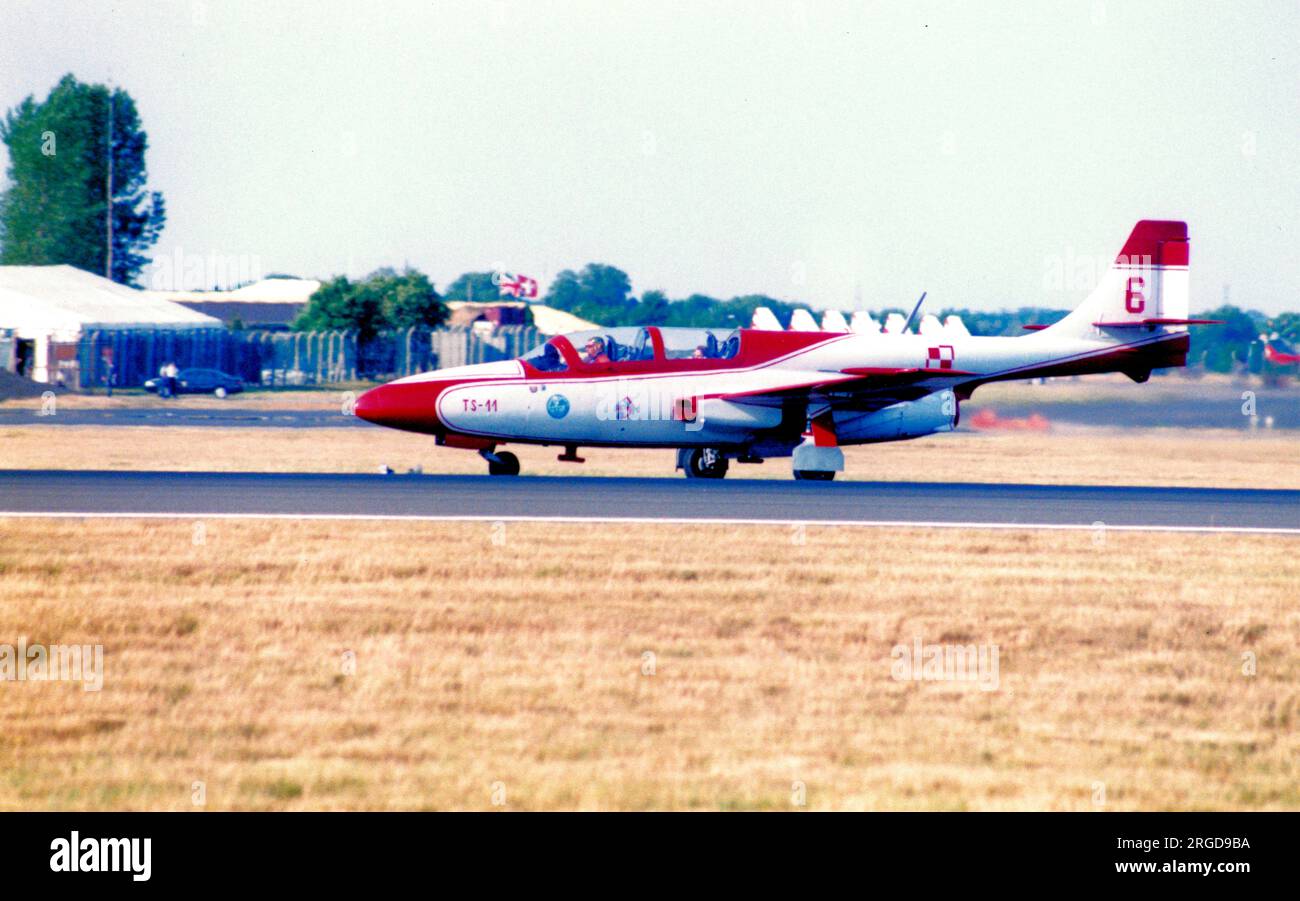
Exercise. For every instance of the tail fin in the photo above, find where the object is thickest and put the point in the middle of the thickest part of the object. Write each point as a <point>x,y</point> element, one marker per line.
<point>1146,286</point>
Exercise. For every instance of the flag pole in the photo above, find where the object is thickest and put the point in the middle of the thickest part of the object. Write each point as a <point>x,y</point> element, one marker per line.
<point>108,194</point>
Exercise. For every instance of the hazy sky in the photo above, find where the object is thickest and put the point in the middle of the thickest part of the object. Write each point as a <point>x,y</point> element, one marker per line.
<point>806,150</point>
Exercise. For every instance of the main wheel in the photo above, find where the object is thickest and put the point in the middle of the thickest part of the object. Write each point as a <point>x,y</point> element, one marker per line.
<point>813,475</point>
<point>506,464</point>
<point>706,463</point>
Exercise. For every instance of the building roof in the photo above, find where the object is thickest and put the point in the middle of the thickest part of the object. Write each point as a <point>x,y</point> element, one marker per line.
<point>268,290</point>
<point>67,299</point>
<point>547,320</point>
<point>550,321</point>
<point>259,313</point>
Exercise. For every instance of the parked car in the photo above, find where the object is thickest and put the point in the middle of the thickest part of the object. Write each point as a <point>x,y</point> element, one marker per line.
<point>200,381</point>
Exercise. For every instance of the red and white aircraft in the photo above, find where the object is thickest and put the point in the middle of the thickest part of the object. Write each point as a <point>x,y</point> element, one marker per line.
<point>1278,352</point>
<point>753,393</point>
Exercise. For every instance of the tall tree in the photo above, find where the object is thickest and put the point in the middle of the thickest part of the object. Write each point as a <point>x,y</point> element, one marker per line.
<point>384,299</point>
<point>407,300</point>
<point>598,293</point>
<point>67,157</point>
<point>338,304</point>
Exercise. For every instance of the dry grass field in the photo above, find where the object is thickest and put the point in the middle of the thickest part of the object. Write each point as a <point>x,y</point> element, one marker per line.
<point>1066,456</point>
<point>326,666</point>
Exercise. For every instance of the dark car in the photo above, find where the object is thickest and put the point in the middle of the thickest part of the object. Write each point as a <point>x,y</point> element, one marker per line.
<point>200,381</point>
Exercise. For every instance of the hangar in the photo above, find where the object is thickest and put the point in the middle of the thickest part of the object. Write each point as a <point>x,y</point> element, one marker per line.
<point>492,313</point>
<point>271,303</point>
<point>45,310</point>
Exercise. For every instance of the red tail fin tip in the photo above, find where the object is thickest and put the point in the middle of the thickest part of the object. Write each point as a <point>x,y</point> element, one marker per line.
<point>1156,241</point>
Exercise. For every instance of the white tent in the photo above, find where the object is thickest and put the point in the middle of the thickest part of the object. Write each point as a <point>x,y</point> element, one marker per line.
<point>895,324</point>
<point>930,325</point>
<point>802,321</point>
<point>765,320</point>
<point>954,326</point>
<point>863,323</point>
<point>834,321</point>
<point>60,302</point>
<point>47,305</point>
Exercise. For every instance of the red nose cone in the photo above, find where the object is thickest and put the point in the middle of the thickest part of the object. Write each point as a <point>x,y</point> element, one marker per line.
<point>370,405</point>
<point>411,406</point>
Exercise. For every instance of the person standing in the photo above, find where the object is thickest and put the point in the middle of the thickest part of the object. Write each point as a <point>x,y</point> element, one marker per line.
<point>168,373</point>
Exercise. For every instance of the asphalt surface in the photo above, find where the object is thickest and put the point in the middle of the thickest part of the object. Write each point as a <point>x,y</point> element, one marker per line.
<point>198,494</point>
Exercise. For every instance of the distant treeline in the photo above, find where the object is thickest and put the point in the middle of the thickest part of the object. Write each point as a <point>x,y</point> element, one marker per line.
<point>603,294</point>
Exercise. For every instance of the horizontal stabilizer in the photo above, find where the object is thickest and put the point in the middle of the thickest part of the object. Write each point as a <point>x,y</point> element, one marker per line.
<point>1151,323</point>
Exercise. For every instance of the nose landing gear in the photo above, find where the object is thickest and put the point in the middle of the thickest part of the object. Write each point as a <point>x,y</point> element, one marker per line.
<point>500,463</point>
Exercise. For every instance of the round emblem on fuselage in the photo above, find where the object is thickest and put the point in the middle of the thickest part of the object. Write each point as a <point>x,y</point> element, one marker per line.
<point>558,406</point>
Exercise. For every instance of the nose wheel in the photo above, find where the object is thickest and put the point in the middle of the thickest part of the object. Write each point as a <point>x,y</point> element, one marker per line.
<point>502,463</point>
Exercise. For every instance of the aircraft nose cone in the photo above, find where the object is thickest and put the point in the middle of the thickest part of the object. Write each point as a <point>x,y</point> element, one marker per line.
<point>370,406</point>
<point>411,406</point>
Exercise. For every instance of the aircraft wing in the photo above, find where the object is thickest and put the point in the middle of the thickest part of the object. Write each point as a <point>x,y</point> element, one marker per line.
<point>858,388</point>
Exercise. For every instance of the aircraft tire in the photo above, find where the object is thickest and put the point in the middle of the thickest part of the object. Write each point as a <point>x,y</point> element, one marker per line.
<point>507,464</point>
<point>697,467</point>
<point>813,475</point>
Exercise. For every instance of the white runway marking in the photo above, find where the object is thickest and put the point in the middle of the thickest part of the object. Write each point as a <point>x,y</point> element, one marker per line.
<point>650,520</point>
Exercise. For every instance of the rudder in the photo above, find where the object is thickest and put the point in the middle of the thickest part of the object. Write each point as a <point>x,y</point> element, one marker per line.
<point>1147,284</point>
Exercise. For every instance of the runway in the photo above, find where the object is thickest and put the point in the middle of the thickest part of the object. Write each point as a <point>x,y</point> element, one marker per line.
<point>71,493</point>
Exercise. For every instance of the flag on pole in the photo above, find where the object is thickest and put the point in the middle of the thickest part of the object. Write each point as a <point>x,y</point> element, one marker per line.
<point>517,286</point>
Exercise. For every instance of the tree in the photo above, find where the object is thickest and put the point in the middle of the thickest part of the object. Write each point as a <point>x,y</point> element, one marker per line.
<point>565,292</point>
<point>654,309</point>
<point>606,286</point>
<point>338,304</point>
<point>1221,347</point>
<point>599,293</point>
<point>475,286</point>
<point>407,300</point>
<point>383,300</point>
<point>57,207</point>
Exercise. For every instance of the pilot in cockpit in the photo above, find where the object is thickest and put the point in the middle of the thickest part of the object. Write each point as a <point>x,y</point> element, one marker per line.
<point>595,351</point>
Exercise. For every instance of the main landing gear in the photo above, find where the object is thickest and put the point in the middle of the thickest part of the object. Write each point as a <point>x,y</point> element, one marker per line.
<point>813,475</point>
<point>704,463</point>
<point>819,457</point>
<point>501,463</point>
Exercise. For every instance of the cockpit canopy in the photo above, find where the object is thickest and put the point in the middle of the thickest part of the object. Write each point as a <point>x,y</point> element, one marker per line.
<point>630,344</point>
